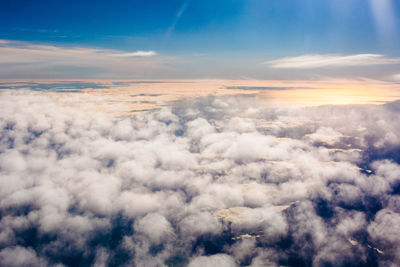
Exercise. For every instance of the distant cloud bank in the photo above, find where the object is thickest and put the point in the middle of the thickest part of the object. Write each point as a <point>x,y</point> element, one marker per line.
<point>218,181</point>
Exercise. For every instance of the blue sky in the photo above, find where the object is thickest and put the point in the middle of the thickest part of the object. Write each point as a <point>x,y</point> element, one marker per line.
<point>211,38</point>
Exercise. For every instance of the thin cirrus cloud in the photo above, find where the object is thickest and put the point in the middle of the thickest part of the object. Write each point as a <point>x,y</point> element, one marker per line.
<point>25,59</point>
<point>137,54</point>
<point>330,60</point>
<point>396,77</point>
<point>171,28</point>
<point>42,50</point>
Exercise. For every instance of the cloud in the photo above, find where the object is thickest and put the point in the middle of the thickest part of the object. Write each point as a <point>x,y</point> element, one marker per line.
<point>20,256</point>
<point>330,60</point>
<point>210,181</point>
<point>178,16</point>
<point>222,260</point>
<point>396,77</point>
<point>24,59</point>
<point>137,54</point>
<point>72,50</point>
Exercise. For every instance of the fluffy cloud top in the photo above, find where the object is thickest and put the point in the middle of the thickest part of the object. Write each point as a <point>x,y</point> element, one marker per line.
<point>216,181</point>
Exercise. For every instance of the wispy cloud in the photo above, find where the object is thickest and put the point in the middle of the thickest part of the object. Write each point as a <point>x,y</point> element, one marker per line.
<point>18,59</point>
<point>137,54</point>
<point>29,48</point>
<point>330,60</point>
<point>171,28</point>
<point>396,77</point>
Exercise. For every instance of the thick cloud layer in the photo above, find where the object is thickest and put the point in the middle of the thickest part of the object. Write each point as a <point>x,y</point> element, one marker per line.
<point>212,182</point>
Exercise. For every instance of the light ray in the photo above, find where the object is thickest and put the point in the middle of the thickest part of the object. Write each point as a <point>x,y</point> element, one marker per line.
<point>383,13</point>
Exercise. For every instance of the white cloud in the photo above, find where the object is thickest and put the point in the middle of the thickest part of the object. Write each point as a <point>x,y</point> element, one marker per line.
<point>221,260</point>
<point>24,59</point>
<point>137,54</point>
<point>67,51</point>
<point>217,181</point>
<point>330,60</point>
<point>396,77</point>
<point>20,256</point>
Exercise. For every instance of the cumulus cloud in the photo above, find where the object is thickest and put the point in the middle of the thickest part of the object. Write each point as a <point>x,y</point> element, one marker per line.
<point>207,182</point>
<point>20,256</point>
<point>222,260</point>
<point>330,60</point>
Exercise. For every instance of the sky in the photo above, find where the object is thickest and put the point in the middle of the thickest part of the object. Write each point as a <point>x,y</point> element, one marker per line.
<point>226,39</point>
